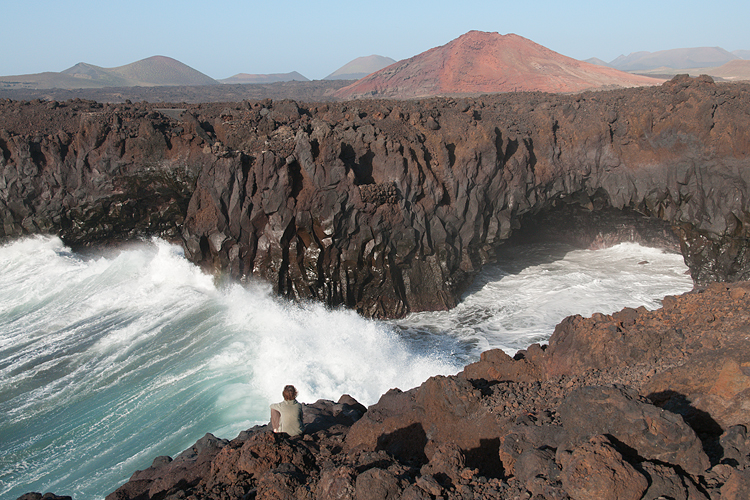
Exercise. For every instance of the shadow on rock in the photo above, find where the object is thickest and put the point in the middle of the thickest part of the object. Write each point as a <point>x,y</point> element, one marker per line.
<point>705,427</point>
<point>486,458</point>
<point>407,444</point>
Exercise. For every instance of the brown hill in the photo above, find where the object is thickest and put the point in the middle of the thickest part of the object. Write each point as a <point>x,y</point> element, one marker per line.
<point>162,70</point>
<point>481,63</point>
<point>739,69</point>
<point>360,67</point>
<point>47,80</point>
<point>95,75</point>
<point>154,71</point>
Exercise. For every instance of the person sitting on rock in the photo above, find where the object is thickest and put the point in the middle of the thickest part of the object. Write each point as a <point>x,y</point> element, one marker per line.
<point>287,415</point>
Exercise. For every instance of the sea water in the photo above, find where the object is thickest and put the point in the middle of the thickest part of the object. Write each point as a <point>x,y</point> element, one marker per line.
<point>109,361</point>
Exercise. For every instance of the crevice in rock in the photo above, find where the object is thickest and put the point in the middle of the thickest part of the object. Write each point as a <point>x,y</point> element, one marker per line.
<point>451,154</point>
<point>295,175</point>
<point>38,157</point>
<point>532,156</point>
<point>4,149</point>
<point>510,150</point>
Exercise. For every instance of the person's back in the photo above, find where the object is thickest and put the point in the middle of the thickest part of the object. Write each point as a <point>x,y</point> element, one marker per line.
<point>290,413</point>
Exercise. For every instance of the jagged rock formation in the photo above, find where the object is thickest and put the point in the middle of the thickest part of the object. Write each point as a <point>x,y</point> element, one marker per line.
<point>385,206</point>
<point>634,405</point>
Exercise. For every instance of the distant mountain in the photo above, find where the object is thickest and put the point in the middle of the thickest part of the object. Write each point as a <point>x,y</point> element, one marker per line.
<point>739,69</point>
<point>162,71</point>
<point>700,57</point>
<point>734,70</point>
<point>271,78</point>
<point>151,72</point>
<point>480,63</point>
<point>47,80</point>
<point>360,68</point>
<point>596,61</point>
<point>742,54</point>
<point>97,76</point>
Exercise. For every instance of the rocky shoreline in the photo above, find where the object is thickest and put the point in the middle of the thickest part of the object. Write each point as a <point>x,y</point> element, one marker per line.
<point>387,207</point>
<point>634,405</point>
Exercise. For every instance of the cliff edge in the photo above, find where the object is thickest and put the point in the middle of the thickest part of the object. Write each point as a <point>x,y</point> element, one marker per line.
<point>388,207</point>
<point>639,404</point>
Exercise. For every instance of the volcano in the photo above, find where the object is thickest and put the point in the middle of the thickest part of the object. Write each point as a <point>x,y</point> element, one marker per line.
<point>483,63</point>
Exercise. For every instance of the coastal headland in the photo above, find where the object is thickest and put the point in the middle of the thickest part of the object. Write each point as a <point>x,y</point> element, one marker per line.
<point>390,207</point>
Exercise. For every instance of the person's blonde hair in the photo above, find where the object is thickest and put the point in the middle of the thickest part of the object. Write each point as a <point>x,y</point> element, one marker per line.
<point>289,393</point>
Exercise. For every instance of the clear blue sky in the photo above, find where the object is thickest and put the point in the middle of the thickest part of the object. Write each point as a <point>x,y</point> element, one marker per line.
<point>223,38</point>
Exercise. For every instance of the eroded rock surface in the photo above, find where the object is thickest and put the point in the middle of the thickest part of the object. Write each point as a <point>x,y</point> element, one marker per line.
<point>529,426</point>
<point>386,206</point>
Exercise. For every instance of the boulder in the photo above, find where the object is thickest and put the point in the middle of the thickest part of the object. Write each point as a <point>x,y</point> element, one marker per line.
<point>641,429</point>
<point>595,470</point>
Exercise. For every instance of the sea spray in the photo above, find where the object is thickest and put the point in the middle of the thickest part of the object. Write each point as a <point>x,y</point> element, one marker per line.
<point>112,360</point>
<point>520,302</point>
<point>109,361</point>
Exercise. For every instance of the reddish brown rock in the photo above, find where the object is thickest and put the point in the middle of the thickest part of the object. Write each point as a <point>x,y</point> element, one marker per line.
<point>596,471</point>
<point>378,484</point>
<point>484,63</point>
<point>647,431</point>
<point>737,486</point>
<point>589,432</point>
<point>336,483</point>
<point>46,496</point>
<point>410,425</point>
<point>665,482</point>
<point>167,476</point>
<point>687,356</point>
<point>735,444</point>
<point>495,364</point>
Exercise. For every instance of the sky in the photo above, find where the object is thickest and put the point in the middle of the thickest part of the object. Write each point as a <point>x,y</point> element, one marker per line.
<point>315,38</point>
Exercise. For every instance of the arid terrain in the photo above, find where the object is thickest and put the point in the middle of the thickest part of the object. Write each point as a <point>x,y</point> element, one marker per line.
<point>483,63</point>
<point>392,206</point>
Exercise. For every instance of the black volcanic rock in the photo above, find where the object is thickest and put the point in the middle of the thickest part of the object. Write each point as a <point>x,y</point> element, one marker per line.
<point>366,204</point>
<point>384,206</point>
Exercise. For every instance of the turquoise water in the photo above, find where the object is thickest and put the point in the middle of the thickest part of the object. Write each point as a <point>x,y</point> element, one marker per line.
<point>107,362</point>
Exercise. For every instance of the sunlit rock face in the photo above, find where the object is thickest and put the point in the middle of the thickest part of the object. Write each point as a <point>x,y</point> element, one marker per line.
<point>388,206</point>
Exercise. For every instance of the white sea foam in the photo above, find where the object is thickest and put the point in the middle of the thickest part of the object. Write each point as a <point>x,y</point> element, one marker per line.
<point>519,302</point>
<point>109,361</point>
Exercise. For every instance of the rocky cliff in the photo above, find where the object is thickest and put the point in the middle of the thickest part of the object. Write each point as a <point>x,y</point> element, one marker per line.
<point>387,206</point>
<point>636,405</point>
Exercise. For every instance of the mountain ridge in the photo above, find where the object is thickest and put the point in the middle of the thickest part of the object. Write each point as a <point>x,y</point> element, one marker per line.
<point>734,70</point>
<point>153,71</point>
<point>685,58</point>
